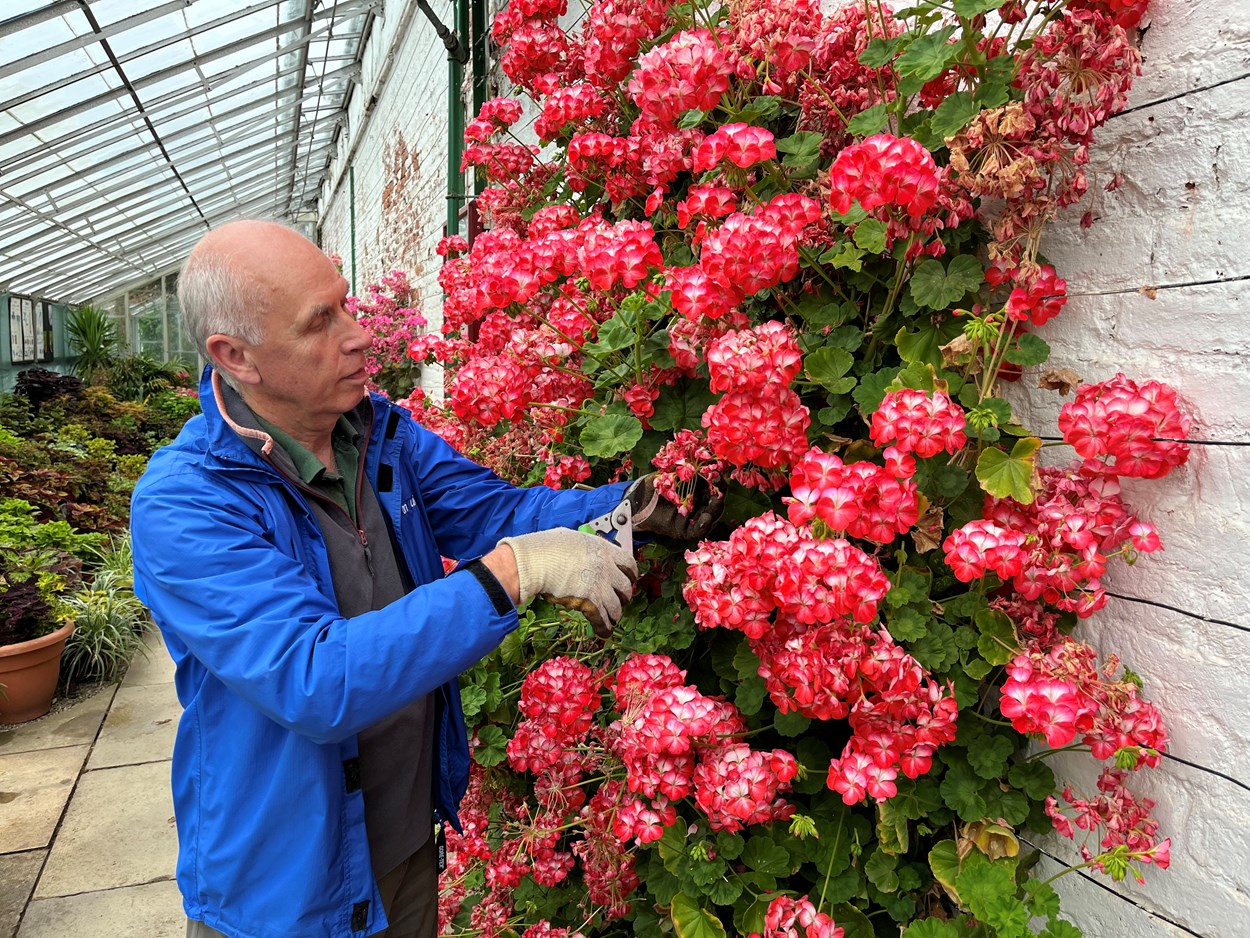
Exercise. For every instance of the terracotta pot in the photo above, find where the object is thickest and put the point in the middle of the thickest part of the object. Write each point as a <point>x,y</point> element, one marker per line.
<point>28,671</point>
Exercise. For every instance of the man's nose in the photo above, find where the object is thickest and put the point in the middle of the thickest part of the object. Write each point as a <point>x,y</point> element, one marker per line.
<point>358,337</point>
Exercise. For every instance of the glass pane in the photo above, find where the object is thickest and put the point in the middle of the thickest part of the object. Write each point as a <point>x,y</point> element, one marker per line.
<point>148,315</point>
<point>180,344</point>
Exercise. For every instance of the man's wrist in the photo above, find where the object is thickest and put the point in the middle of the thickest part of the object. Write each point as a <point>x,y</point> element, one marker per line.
<point>501,562</point>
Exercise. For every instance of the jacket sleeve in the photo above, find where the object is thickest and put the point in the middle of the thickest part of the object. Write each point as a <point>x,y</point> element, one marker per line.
<point>470,508</point>
<point>211,566</point>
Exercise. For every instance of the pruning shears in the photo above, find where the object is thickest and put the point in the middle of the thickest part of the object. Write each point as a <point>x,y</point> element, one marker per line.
<point>616,525</point>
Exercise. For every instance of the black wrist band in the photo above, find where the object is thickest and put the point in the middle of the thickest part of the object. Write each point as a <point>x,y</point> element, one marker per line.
<point>498,595</point>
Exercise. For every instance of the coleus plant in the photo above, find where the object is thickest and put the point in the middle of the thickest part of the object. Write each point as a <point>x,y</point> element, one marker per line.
<point>791,254</point>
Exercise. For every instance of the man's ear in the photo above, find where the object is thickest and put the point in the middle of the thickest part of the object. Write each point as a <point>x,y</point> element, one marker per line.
<point>233,356</point>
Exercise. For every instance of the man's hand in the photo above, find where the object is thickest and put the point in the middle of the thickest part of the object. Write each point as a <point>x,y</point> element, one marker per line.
<point>658,515</point>
<point>582,571</point>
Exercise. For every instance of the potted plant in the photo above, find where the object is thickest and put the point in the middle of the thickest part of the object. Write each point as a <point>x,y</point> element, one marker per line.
<point>34,626</point>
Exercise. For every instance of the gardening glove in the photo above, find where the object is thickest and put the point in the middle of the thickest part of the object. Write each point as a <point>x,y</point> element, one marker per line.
<point>584,572</point>
<point>658,515</point>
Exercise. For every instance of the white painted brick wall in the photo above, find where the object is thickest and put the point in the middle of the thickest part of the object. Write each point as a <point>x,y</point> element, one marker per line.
<point>1180,224</point>
<point>400,203</point>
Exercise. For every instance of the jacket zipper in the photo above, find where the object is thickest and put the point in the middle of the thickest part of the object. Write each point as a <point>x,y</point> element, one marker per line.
<point>360,480</point>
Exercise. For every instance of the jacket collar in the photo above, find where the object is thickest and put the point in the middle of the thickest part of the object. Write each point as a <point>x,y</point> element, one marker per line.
<point>233,433</point>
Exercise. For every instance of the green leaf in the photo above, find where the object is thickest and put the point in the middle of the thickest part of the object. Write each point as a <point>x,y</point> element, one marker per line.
<point>819,310</point>
<point>908,624</point>
<point>844,255</point>
<point>944,862</point>
<point>1041,899</point>
<point>961,790</point>
<point>998,643</point>
<point>869,234</point>
<point>1010,805</point>
<point>615,334</point>
<point>681,407</point>
<point>866,123</point>
<point>893,835</point>
<point>1035,778</point>
<point>953,115</point>
<point>827,366</point>
<point>724,891</point>
<point>1029,350</point>
<point>750,694</point>
<point>493,746</point>
<point>746,662</point>
<point>472,697</point>
<point>881,870</point>
<point>1059,928</point>
<point>935,287</point>
<point>927,56</point>
<point>758,110</point>
<point>924,346</point>
<point>853,922</point>
<point>971,8</point>
<point>692,118</point>
<point>880,51</point>
<point>912,585</point>
<point>989,890</point>
<point>871,389</point>
<point>692,921</point>
<point>949,481</point>
<point>936,650</point>
<point>989,756</point>
<point>931,928</point>
<point>765,855</point>
<point>996,78</point>
<point>610,435</point>
<point>1005,476</point>
<point>801,149</point>
<point>791,724</point>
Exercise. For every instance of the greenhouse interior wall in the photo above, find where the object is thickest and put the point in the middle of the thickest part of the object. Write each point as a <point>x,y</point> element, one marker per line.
<point>32,335</point>
<point>384,206</point>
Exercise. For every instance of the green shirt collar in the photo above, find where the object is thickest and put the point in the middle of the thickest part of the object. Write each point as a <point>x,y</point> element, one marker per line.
<point>308,467</point>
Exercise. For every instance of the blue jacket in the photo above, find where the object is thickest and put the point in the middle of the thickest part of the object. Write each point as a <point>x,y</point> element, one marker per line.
<point>276,684</point>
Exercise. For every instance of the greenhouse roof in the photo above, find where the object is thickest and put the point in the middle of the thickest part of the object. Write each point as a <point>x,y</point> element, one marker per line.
<point>129,127</point>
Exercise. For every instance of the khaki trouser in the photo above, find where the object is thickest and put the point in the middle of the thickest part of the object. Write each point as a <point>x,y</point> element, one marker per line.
<point>409,895</point>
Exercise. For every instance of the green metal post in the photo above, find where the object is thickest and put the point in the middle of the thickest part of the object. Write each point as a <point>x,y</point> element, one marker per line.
<point>351,207</point>
<point>455,126</point>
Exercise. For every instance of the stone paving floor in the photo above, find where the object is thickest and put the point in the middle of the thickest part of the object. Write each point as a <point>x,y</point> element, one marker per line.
<point>87,839</point>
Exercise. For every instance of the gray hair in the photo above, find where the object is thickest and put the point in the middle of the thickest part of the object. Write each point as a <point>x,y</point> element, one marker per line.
<point>217,297</point>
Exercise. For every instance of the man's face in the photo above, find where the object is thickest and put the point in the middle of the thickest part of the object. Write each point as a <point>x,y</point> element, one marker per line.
<point>311,363</point>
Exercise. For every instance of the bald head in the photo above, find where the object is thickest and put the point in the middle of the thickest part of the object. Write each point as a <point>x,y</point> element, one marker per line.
<point>235,275</point>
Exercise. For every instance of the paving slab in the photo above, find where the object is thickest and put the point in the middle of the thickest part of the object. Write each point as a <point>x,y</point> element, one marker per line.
<point>152,910</point>
<point>156,667</point>
<point>18,872</point>
<point>118,831</point>
<point>34,787</point>
<point>140,727</point>
<point>74,725</point>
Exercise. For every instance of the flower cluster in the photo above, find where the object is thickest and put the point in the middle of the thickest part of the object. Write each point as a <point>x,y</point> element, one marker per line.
<point>919,423</point>
<point>862,499</point>
<point>788,917</point>
<point>1129,833</point>
<point>1133,429</point>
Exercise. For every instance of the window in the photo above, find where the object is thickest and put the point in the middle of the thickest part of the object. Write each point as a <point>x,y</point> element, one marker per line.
<point>30,330</point>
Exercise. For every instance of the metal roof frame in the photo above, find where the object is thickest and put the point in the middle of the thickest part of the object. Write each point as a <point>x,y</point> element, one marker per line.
<point>126,131</point>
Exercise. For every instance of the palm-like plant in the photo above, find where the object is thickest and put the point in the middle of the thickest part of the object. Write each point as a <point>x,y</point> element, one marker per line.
<point>93,334</point>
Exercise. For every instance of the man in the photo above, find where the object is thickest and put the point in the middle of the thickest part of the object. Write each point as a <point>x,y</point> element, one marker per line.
<point>289,546</point>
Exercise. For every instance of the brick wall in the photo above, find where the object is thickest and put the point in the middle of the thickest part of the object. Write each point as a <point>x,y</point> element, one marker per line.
<point>396,142</point>
<point>1161,286</point>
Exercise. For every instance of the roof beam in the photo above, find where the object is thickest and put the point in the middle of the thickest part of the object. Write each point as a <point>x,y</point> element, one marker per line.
<point>15,24</point>
<point>69,45</point>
